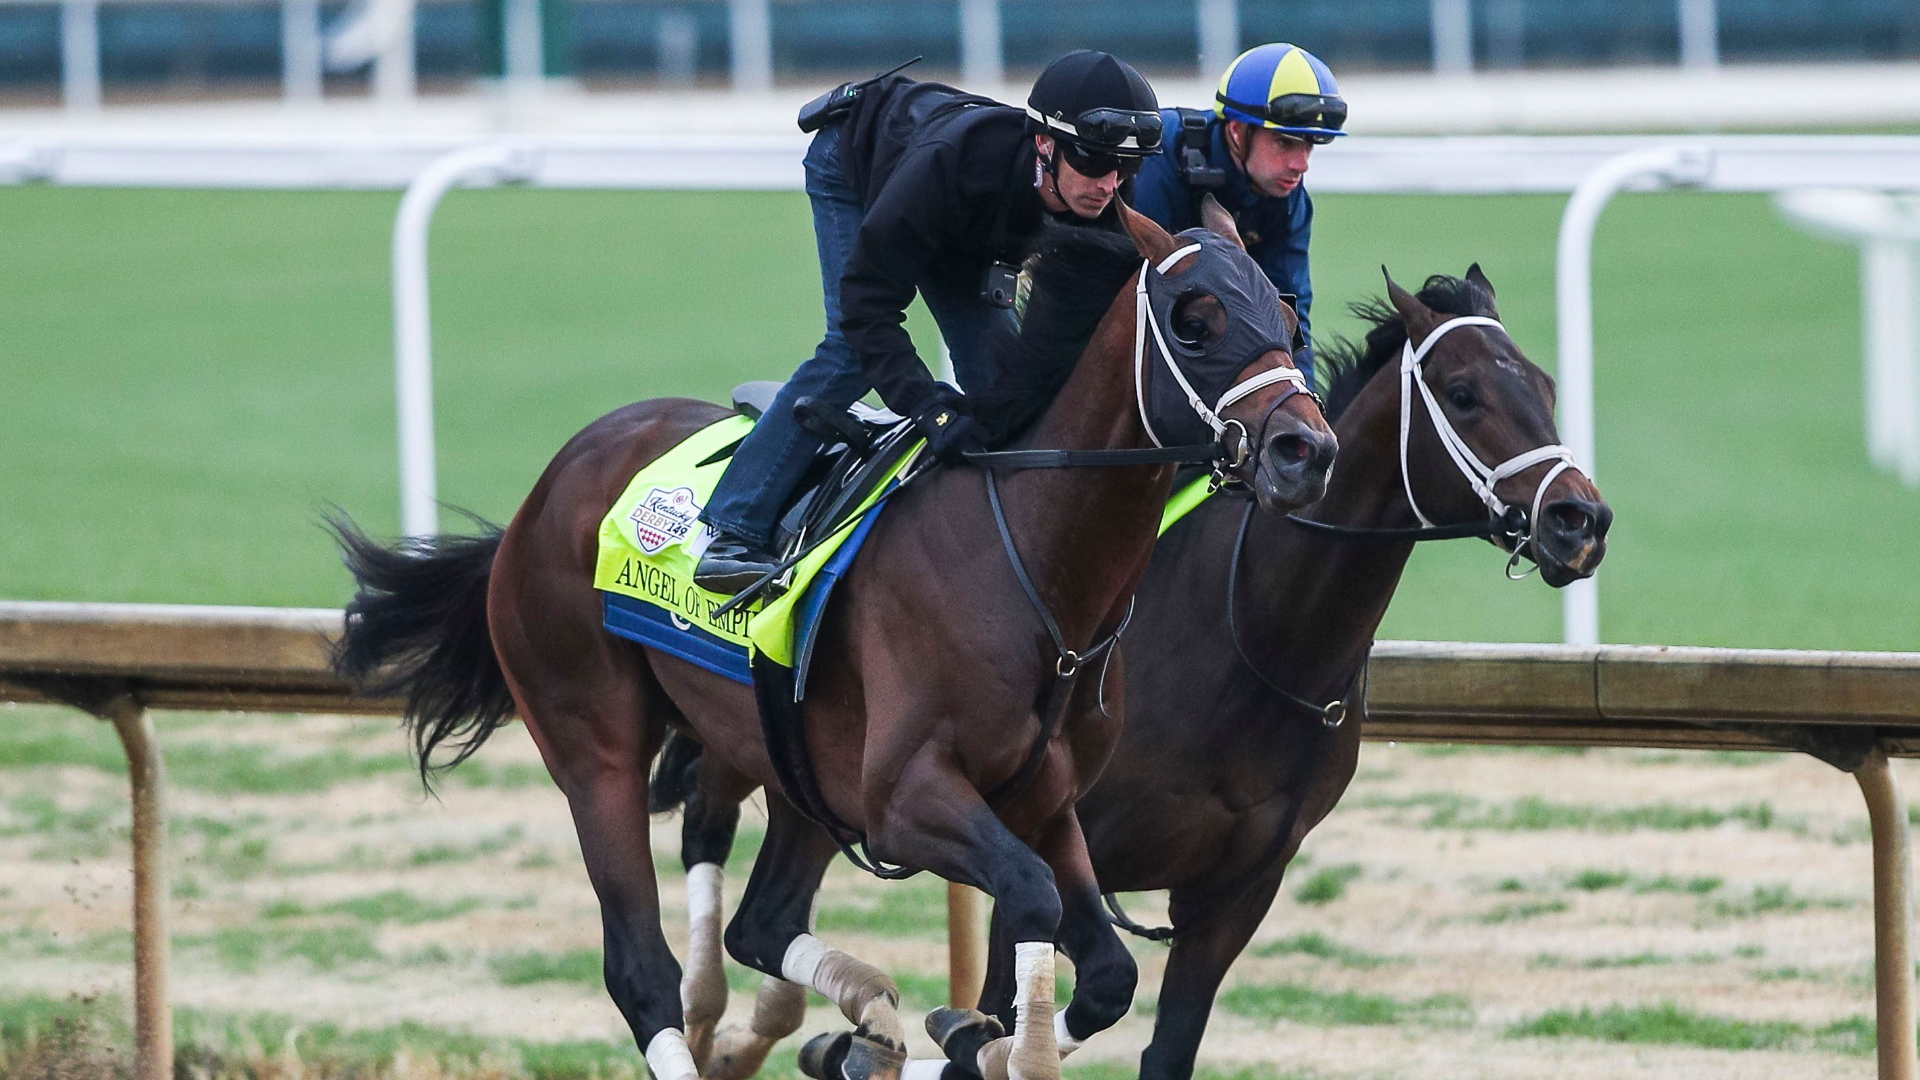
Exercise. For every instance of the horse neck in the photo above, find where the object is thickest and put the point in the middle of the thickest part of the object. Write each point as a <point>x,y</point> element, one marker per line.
<point>1086,533</point>
<point>1312,601</point>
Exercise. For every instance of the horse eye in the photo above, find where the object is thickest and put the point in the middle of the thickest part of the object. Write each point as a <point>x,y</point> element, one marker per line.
<point>1190,329</point>
<point>1460,397</point>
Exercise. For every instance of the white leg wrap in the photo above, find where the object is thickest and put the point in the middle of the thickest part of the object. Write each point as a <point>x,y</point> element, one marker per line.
<point>668,1058</point>
<point>1068,1044</point>
<point>703,986</point>
<point>703,989</point>
<point>1035,1054</point>
<point>923,1069</point>
<point>865,994</point>
<point>802,961</point>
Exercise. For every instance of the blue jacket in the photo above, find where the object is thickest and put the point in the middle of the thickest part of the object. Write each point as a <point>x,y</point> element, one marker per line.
<point>1276,230</point>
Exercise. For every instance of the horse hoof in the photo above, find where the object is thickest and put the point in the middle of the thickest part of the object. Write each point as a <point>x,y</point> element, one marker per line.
<point>960,1033</point>
<point>823,1054</point>
<point>871,1059</point>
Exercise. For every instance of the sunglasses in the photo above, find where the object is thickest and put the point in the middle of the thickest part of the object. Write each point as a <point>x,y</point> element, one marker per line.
<point>1095,166</point>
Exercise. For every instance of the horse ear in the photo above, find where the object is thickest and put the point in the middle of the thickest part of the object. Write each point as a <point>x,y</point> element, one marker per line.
<point>1217,220</point>
<point>1478,278</point>
<point>1149,239</point>
<point>1418,317</point>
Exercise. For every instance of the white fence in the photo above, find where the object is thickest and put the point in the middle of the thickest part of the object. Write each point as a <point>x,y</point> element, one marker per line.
<point>1592,169</point>
<point>382,32</point>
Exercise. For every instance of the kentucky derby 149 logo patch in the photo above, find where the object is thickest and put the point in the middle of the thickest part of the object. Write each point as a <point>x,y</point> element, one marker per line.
<point>664,516</point>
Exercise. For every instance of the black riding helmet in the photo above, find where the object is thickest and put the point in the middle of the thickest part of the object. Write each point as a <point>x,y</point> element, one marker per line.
<point>1096,107</point>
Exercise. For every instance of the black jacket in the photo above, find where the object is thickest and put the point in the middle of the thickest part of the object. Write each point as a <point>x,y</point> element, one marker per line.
<point>947,179</point>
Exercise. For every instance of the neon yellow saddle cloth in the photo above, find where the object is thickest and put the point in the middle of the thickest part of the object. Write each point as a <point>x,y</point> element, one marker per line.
<point>653,538</point>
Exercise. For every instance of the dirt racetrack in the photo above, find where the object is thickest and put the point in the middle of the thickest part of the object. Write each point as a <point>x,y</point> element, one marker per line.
<point>1465,913</point>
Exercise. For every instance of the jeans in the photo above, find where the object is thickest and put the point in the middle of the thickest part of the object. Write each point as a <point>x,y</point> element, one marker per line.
<point>769,463</point>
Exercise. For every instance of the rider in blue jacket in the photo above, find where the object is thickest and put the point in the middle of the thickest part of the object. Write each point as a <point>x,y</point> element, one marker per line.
<point>1274,105</point>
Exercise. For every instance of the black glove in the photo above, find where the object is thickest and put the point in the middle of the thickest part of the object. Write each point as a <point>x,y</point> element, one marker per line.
<point>951,434</point>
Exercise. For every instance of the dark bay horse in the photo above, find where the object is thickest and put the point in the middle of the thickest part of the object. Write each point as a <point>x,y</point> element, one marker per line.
<point>1226,761</point>
<point>934,666</point>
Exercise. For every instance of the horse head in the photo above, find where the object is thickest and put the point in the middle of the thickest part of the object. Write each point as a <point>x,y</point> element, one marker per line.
<point>1213,360</point>
<point>1473,408</point>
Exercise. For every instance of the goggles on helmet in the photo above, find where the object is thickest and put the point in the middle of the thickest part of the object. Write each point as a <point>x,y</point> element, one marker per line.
<point>1116,132</point>
<point>1095,166</point>
<point>1313,117</point>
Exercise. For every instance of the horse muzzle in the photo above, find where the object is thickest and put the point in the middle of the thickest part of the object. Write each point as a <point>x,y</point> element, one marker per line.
<point>1570,539</point>
<point>1292,463</point>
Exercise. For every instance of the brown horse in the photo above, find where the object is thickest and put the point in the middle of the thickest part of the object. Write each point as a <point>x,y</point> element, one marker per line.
<point>1226,761</point>
<point>934,666</point>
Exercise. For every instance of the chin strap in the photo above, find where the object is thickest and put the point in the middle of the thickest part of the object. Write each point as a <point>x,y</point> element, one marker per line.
<point>1144,324</point>
<point>1480,477</point>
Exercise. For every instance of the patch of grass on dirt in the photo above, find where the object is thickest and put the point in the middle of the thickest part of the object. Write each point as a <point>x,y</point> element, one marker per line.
<point>1666,883</point>
<point>1305,1005</point>
<point>1327,884</point>
<point>1596,880</point>
<point>910,909</point>
<point>247,949</point>
<point>32,736</point>
<point>393,905</point>
<point>436,854</point>
<point>1507,913</point>
<point>88,1038</point>
<point>1325,948</point>
<point>1670,1024</point>
<point>581,966</point>
<point>1774,899</point>
<point>1533,814</point>
<point>253,769</point>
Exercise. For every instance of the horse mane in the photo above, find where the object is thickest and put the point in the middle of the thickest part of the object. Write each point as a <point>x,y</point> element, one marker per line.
<point>1077,271</point>
<point>1350,365</point>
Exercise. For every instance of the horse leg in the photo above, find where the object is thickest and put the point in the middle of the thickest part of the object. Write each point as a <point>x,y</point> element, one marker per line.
<point>1104,971</point>
<point>961,1033</point>
<point>707,827</point>
<point>598,715</point>
<point>1196,964</point>
<point>770,933</point>
<point>707,831</point>
<point>951,831</point>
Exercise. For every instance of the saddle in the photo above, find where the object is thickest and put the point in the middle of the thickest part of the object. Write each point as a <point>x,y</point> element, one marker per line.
<point>863,444</point>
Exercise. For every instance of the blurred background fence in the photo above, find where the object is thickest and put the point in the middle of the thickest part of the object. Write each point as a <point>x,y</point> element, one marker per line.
<point>197,47</point>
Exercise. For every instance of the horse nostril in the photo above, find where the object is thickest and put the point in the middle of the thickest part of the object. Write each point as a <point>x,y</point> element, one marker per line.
<point>1579,519</point>
<point>1289,449</point>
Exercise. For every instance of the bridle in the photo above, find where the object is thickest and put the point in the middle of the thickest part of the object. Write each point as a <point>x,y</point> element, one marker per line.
<point>1143,321</point>
<point>1514,525</point>
<point>1479,477</point>
<point>1504,521</point>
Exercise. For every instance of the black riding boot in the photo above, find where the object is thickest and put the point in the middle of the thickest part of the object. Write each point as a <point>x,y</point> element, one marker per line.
<point>731,564</point>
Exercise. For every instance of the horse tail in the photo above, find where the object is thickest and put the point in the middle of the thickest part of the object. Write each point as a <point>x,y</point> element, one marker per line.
<point>417,629</point>
<point>677,774</point>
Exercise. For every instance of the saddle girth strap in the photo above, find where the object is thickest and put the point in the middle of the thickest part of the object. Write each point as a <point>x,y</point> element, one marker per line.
<point>783,726</point>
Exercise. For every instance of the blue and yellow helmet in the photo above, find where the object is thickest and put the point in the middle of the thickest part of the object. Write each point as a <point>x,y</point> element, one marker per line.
<point>1284,88</point>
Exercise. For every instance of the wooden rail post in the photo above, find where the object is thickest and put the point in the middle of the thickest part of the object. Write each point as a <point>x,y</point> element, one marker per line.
<point>152,1005</point>
<point>966,947</point>
<point>1892,918</point>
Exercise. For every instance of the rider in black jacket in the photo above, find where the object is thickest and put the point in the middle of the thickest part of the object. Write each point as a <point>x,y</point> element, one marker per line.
<point>918,187</point>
